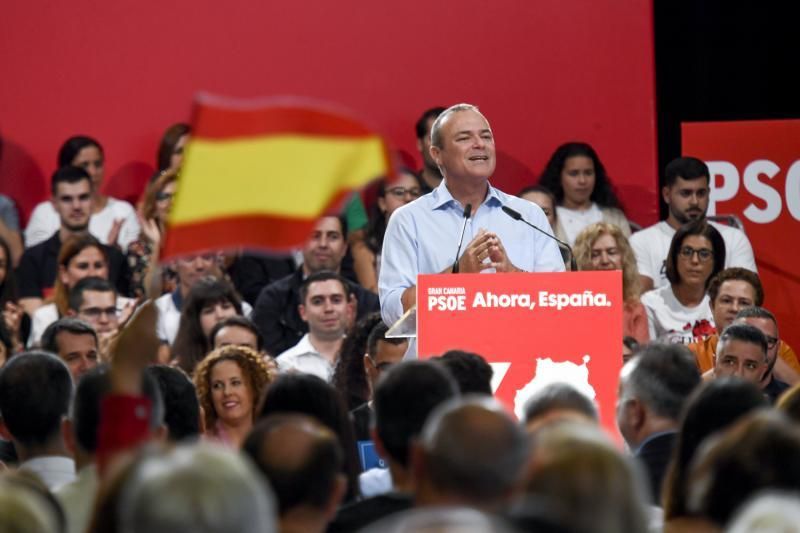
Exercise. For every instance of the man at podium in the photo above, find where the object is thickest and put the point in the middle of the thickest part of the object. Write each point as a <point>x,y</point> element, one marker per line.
<point>460,226</point>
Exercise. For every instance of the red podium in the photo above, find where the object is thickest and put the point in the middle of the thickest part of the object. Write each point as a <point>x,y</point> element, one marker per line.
<point>532,328</point>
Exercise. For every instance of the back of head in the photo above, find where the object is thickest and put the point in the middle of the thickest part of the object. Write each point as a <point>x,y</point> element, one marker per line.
<point>585,484</point>
<point>686,168</point>
<point>771,511</point>
<point>661,376</point>
<point>195,489</point>
<point>93,386</point>
<point>471,371</point>
<point>715,405</point>
<point>181,408</point>
<point>300,458</point>
<point>35,392</point>
<point>474,450</point>
<point>559,398</point>
<point>403,400</point>
<point>760,452</point>
<point>421,126</point>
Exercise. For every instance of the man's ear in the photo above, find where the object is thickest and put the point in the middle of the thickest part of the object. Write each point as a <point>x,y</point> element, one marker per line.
<point>665,194</point>
<point>436,154</point>
<point>338,492</point>
<point>302,310</point>
<point>635,413</point>
<point>68,433</point>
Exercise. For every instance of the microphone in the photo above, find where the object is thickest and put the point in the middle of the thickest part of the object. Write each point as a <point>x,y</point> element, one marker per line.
<point>517,216</point>
<point>467,214</point>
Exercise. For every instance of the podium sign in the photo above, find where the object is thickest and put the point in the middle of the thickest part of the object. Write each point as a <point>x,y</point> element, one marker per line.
<point>532,328</point>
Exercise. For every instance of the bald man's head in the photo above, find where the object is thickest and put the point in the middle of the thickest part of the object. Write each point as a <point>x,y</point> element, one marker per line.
<point>300,457</point>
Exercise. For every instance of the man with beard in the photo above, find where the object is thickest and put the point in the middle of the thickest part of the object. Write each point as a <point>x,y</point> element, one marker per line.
<point>685,191</point>
<point>71,189</point>
<point>430,174</point>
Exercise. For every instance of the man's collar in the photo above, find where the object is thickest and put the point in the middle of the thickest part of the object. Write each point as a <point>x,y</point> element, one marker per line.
<point>442,196</point>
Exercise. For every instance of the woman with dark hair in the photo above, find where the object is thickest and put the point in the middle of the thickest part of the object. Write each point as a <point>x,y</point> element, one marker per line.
<point>209,301</point>
<point>712,407</point>
<point>113,221</point>
<point>679,312</point>
<point>367,252</point>
<point>17,323</point>
<point>310,395</point>
<point>349,376</point>
<point>583,191</point>
<point>170,150</point>
<point>153,211</point>
<point>544,198</point>
<point>229,383</point>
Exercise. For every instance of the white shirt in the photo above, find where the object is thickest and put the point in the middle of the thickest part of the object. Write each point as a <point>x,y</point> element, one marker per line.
<point>53,470</point>
<point>45,221</point>
<point>304,358</point>
<point>651,246</point>
<point>574,221</point>
<point>77,499</point>
<point>670,321</point>
<point>374,482</point>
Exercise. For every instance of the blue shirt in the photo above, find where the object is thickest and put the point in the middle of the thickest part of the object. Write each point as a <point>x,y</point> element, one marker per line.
<point>422,237</point>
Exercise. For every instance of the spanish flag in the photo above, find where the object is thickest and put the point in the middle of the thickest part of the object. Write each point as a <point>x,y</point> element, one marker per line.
<point>258,175</point>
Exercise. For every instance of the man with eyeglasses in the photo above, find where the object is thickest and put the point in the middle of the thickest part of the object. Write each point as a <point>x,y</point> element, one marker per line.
<point>686,193</point>
<point>95,301</point>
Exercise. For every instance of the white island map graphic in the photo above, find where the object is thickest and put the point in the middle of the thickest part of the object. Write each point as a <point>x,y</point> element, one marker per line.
<point>547,372</point>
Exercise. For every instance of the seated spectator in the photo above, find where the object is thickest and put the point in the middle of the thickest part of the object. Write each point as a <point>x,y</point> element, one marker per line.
<point>559,401</point>
<point>381,354</point>
<point>71,189</point>
<point>81,433</point>
<point>544,198</point>
<point>349,374</point>
<point>309,395</point>
<point>325,306</point>
<point>169,157</point>
<point>450,459</point>
<point>430,174</point>
<point>143,252</point>
<point>603,246</point>
<point>403,399</point>
<point>181,408</point>
<point>113,221</point>
<point>74,342</point>
<point>238,331</point>
<point>760,452</point>
<point>17,323</point>
<point>10,230</point>
<point>209,302</point>
<point>471,371</point>
<point>712,407</point>
<point>742,353</point>
<point>653,387</point>
<point>302,460</point>
<point>95,301</point>
<point>766,323</point>
<point>579,481</point>
<point>35,391</point>
<point>229,383</point>
<point>685,190</point>
<point>276,311</point>
<point>680,312</point>
<point>194,488</point>
<point>583,191</point>
<point>367,252</point>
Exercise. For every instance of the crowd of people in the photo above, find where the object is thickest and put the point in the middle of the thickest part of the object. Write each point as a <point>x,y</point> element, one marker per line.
<point>235,391</point>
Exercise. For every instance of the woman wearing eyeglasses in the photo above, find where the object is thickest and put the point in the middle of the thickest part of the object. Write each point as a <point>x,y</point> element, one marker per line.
<point>367,253</point>
<point>679,312</point>
<point>155,206</point>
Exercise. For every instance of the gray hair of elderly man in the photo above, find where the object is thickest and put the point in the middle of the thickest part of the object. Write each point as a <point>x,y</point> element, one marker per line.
<point>474,450</point>
<point>200,488</point>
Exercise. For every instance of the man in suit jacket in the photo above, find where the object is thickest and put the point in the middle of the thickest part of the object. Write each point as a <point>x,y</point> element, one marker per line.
<point>653,387</point>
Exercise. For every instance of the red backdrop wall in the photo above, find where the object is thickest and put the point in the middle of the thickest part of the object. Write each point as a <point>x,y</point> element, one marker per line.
<point>543,71</point>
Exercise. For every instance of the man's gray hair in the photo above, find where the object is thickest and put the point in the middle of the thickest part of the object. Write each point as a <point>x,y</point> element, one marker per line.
<point>198,488</point>
<point>436,133</point>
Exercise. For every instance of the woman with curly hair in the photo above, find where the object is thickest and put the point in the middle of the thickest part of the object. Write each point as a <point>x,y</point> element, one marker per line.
<point>583,192</point>
<point>603,246</point>
<point>349,377</point>
<point>229,383</point>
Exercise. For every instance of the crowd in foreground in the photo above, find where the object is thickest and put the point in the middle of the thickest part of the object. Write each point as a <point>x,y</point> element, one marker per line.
<point>245,392</point>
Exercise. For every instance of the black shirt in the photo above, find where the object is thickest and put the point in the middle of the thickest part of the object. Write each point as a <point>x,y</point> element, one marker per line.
<point>36,273</point>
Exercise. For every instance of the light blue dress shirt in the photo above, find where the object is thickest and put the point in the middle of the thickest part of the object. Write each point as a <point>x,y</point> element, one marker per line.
<point>422,238</point>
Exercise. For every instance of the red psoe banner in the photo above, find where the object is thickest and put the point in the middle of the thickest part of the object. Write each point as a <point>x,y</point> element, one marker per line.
<point>533,329</point>
<point>755,175</point>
